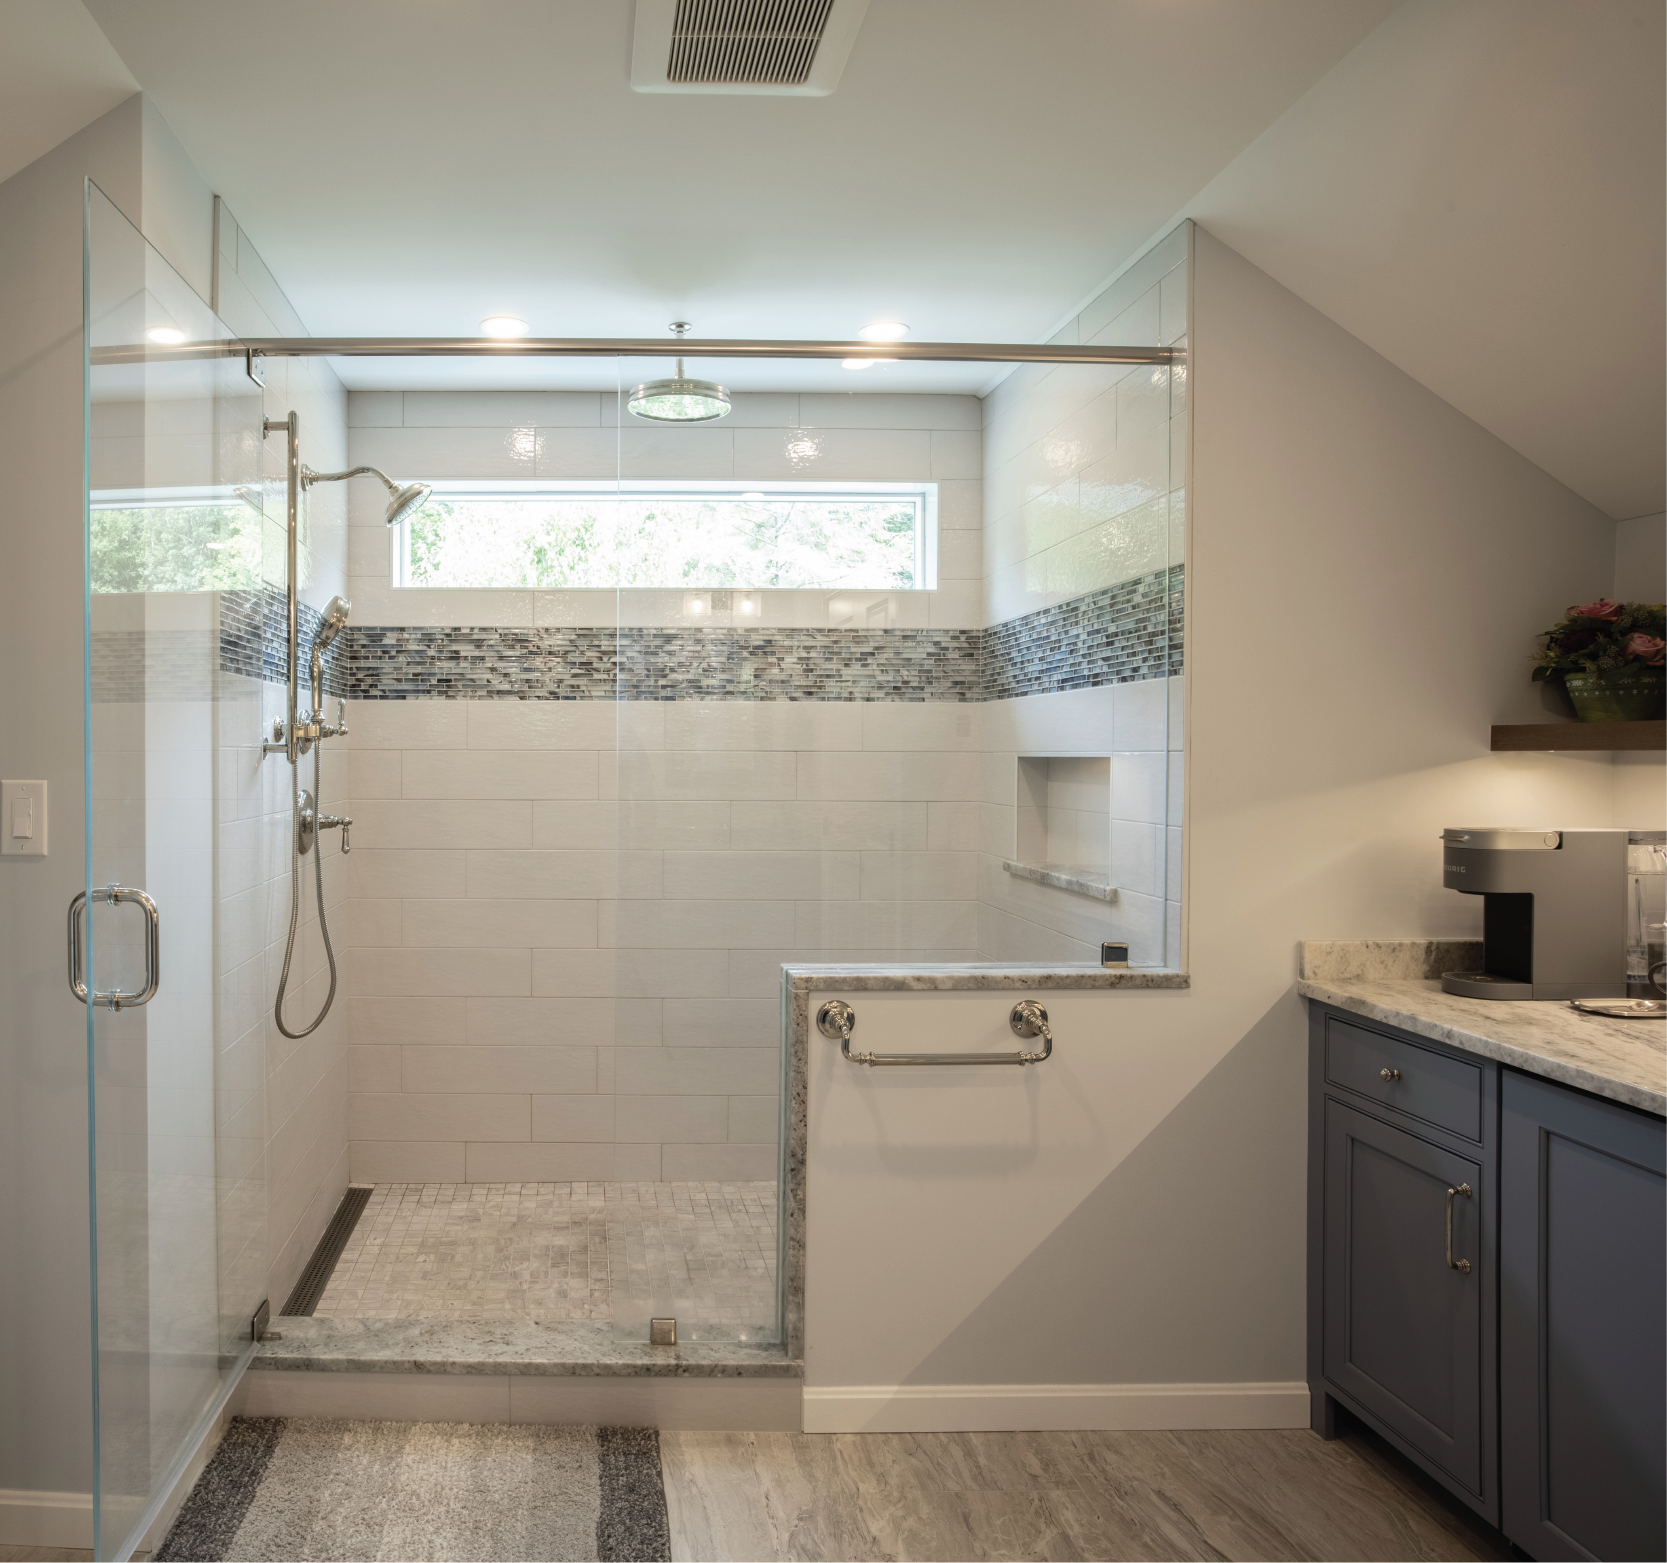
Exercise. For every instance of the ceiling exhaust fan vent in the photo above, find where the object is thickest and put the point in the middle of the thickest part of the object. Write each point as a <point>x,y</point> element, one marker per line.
<point>763,43</point>
<point>782,47</point>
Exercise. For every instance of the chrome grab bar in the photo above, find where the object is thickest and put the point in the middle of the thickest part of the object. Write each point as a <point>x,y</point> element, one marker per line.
<point>115,999</point>
<point>836,1020</point>
<point>1461,1265</point>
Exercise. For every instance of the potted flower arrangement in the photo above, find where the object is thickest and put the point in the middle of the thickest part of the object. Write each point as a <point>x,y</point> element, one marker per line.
<point>1612,659</point>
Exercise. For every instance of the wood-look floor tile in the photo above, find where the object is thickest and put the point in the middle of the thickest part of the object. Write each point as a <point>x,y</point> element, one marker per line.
<point>714,1500</point>
<point>989,1496</point>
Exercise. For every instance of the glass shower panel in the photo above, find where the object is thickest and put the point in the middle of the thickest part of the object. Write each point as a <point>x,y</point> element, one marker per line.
<point>896,675</point>
<point>176,1082</point>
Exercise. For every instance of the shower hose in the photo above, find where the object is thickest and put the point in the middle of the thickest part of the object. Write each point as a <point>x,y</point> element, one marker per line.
<point>295,901</point>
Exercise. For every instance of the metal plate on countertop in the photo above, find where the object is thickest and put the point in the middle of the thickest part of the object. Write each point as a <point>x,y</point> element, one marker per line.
<point>1622,1009</point>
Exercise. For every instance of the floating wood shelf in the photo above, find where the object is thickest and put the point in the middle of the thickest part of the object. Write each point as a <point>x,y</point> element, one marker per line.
<point>1582,735</point>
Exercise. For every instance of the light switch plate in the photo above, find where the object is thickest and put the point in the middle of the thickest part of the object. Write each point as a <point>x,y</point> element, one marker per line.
<point>22,819</point>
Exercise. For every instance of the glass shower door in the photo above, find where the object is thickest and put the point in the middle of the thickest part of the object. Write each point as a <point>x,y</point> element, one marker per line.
<point>176,1115</point>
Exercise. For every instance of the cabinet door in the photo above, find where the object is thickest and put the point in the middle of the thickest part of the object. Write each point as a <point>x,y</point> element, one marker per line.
<point>1403,1330</point>
<point>1583,1321</point>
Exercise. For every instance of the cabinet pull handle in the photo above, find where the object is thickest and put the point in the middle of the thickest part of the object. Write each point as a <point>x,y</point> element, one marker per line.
<point>1389,1074</point>
<point>1461,1265</point>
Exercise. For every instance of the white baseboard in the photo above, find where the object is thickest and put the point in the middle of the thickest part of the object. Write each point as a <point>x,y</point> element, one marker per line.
<point>992,1408</point>
<point>45,1519</point>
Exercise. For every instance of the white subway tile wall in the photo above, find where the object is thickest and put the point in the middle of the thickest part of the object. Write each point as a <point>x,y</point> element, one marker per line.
<point>1085,487</point>
<point>1084,466</point>
<point>305,1130</point>
<point>548,984</point>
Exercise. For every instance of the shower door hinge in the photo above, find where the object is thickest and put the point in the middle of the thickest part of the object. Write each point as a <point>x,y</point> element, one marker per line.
<point>255,367</point>
<point>263,1317</point>
<point>662,1332</point>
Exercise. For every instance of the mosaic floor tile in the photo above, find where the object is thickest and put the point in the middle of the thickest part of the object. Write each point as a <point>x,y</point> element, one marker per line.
<point>705,1253</point>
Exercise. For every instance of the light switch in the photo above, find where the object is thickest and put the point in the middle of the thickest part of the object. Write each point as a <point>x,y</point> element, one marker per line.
<point>23,819</point>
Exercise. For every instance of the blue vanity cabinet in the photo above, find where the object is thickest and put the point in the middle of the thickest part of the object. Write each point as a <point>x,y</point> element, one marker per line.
<point>1583,1323</point>
<point>1402,1268</point>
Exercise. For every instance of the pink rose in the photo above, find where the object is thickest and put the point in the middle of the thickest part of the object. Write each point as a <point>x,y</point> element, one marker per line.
<point>1603,608</point>
<point>1648,647</point>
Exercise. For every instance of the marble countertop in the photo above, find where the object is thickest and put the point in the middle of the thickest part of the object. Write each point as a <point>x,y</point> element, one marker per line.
<point>519,1346</point>
<point>971,978</point>
<point>1625,1060</point>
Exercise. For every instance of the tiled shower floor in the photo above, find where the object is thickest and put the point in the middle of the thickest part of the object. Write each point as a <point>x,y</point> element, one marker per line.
<point>556,1252</point>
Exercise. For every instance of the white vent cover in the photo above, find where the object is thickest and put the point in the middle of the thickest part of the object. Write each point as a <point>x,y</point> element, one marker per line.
<point>789,48</point>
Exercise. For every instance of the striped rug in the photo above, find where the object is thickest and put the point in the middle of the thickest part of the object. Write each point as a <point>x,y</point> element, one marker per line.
<point>301,1488</point>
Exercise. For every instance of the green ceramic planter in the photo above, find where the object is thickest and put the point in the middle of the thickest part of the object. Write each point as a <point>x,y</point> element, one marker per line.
<point>1636,694</point>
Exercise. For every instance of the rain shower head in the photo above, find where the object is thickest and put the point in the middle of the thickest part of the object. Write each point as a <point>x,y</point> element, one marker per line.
<point>406,499</point>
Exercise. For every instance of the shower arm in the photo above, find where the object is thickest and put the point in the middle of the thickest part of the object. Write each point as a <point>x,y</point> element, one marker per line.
<point>309,477</point>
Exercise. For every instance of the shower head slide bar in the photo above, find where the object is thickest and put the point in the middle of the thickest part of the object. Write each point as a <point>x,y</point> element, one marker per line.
<point>836,1020</point>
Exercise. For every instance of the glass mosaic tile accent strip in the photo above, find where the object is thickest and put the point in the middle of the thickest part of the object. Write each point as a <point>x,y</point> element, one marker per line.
<point>557,1252</point>
<point>1120,634</point>
<point>252,639</point>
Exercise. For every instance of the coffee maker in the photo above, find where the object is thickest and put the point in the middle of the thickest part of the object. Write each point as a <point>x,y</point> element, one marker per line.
<point>1553,911</point>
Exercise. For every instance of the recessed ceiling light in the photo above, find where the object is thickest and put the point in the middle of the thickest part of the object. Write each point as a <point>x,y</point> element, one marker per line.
<point>884,331</point>
<point>503,325</point>
<point>167,335</point>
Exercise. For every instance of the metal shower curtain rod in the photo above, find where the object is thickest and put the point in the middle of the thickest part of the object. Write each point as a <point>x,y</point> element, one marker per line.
<point>690,347</point>
<point>631,347</point>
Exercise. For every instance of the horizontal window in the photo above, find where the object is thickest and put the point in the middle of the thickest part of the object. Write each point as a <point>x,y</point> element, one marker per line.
<point>831,536</point>
<point>201,538</point>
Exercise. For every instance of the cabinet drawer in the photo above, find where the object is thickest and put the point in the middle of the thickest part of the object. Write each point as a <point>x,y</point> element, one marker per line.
<point>1421,1083</point>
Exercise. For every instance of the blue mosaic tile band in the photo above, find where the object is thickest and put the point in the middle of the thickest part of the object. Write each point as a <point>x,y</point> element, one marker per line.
<point>253,640</point>
<point>1120,634</point>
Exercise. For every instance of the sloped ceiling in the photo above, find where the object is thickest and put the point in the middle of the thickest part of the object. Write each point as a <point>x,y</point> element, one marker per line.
<point>1479,192</point>
<point>58,72</point>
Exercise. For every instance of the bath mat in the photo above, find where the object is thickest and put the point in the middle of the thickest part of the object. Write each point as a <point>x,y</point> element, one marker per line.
<point>284,1488</point>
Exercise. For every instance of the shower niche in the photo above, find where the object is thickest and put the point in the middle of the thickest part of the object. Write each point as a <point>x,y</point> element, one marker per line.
<point>1062,835</point>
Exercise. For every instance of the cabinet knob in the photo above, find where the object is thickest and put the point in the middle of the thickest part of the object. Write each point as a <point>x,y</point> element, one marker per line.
<point>1389,1074</point>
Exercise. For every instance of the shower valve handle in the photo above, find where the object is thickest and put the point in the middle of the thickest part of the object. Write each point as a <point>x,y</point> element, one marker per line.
<point>331,821</point>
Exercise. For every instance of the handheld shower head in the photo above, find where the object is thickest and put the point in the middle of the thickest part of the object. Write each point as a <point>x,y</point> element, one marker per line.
<point>406,501</point>
<point>334,622</point>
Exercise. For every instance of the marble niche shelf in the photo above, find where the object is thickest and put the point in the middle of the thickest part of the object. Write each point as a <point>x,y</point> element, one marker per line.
<point>1095,882</point>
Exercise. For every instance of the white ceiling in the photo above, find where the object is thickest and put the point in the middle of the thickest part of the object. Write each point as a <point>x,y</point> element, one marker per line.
<point>410,166</point>
<point>1476,190</point>
<point>58,72</point>
<point>1479,192</point>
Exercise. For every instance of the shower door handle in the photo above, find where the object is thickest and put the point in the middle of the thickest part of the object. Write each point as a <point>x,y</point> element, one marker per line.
<point>115,999</point>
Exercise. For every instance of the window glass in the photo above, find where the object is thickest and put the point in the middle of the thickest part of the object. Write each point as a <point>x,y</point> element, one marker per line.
<point>847,536</point>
